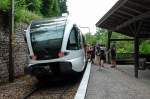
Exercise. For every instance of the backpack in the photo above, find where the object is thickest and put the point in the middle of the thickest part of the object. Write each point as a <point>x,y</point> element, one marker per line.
<point>102,52</point>
<point>98,51</point>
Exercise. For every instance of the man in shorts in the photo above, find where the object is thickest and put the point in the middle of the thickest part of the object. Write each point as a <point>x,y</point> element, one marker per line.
<point>113,57</point>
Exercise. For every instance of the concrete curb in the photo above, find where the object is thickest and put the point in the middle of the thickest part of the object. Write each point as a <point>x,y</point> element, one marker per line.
<point>81,92</point>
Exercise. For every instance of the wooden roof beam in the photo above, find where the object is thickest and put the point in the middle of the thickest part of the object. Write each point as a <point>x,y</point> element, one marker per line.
<point>137,4</point>
<point>146,26</point>
<point>146,21</point>
<point>110,12</point>
<point>120,16</point>
<point>139,17</point>
<point>145,29</point>
<point>126,13</point>
<point>134,10</point>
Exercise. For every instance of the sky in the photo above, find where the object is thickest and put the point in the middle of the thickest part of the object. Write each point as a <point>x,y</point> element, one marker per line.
<point>88,12</point>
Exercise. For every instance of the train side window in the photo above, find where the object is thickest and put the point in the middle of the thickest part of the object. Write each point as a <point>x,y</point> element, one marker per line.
<point>74,40</point>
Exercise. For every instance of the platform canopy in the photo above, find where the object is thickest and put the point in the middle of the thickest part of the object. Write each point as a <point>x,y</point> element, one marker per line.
<point>129,17</point>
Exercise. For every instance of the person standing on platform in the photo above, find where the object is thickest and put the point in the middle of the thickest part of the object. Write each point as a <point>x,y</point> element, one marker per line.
<point>102,57</point>
<point>97,55</point>
<point>92,53</point>
<point>88,51</point>
<point>113,56</point>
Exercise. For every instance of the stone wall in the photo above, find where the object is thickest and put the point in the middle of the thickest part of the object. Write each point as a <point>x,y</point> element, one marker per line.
<point>20,49</point>
<point>20,52</point>
<point>4,55</point>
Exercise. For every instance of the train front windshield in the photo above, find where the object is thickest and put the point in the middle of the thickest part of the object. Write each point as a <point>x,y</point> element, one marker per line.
<point>46,39</point>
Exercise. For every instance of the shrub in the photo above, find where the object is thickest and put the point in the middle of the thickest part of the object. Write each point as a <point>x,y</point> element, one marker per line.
<point>50,8</point>
<point>23,15</point>
<point>4,5</point>
<point>145,47</point>
<point>34,5</point>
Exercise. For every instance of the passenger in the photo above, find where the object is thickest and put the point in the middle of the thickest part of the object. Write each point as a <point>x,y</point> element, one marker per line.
<point>97,55</point>
<point>88,52</point>
<point>93,54</point>
<point>102,57</point>
<point>85,49</point>
<point>113,56</point>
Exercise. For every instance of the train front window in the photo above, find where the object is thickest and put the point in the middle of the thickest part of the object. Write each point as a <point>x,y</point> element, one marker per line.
<point>47,40</point>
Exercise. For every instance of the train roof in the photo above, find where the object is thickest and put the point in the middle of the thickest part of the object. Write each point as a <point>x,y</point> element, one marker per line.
<point>47,22</point>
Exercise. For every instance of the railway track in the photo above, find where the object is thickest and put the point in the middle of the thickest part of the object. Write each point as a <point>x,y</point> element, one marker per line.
<point>60,89</point>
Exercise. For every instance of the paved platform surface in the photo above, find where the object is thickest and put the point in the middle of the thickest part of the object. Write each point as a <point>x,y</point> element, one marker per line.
<point>119,83</point>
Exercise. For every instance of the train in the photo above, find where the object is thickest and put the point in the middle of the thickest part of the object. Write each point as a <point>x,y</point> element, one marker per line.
<point>55,45</point>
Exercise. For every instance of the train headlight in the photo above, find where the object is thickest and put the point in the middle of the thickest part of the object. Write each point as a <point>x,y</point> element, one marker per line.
<point>62,54</point>
<point>34,57</point>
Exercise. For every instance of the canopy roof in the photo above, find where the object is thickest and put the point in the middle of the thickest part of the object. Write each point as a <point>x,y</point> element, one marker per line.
<point>128,17</point>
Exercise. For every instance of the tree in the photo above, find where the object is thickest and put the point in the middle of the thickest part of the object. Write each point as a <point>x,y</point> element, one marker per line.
<point>50,8</point>
<point>101,36</point>
<point>4,5</point>
<point>55,10</point>
<point>63,6</point>
<point>91,39</point>
<point>34,5</point>
<point>20,4</point>
<point>27,10</point>
<point>145,47</point>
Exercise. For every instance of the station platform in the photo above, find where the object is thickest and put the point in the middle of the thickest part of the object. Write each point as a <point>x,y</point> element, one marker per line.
<point>118,83</point>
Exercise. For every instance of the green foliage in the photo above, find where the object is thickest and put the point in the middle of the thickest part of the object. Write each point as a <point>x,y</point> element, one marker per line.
<point>55,8</point>
<point>26,10</point>
<point>121,50</point>
<point>145,47</point>
<point>50,8</point>
<point>124,47</point>
<point>63,6</point>
<point>121,46</point>
<point>91,39</point>
<point>4,5</point>
<point>23,15</point>
<point>34,5</point>
<point>116,35</point>
<point>20,4</point>
<point>101,36</point>
<point>45,7</point>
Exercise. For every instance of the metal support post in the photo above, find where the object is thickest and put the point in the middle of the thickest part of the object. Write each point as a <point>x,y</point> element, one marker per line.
<point>136,55</point>
<point>108,46</point>
<point>11,64</point>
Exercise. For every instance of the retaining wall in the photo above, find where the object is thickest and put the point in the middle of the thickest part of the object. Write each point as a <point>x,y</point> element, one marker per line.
<point>20,52</point>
